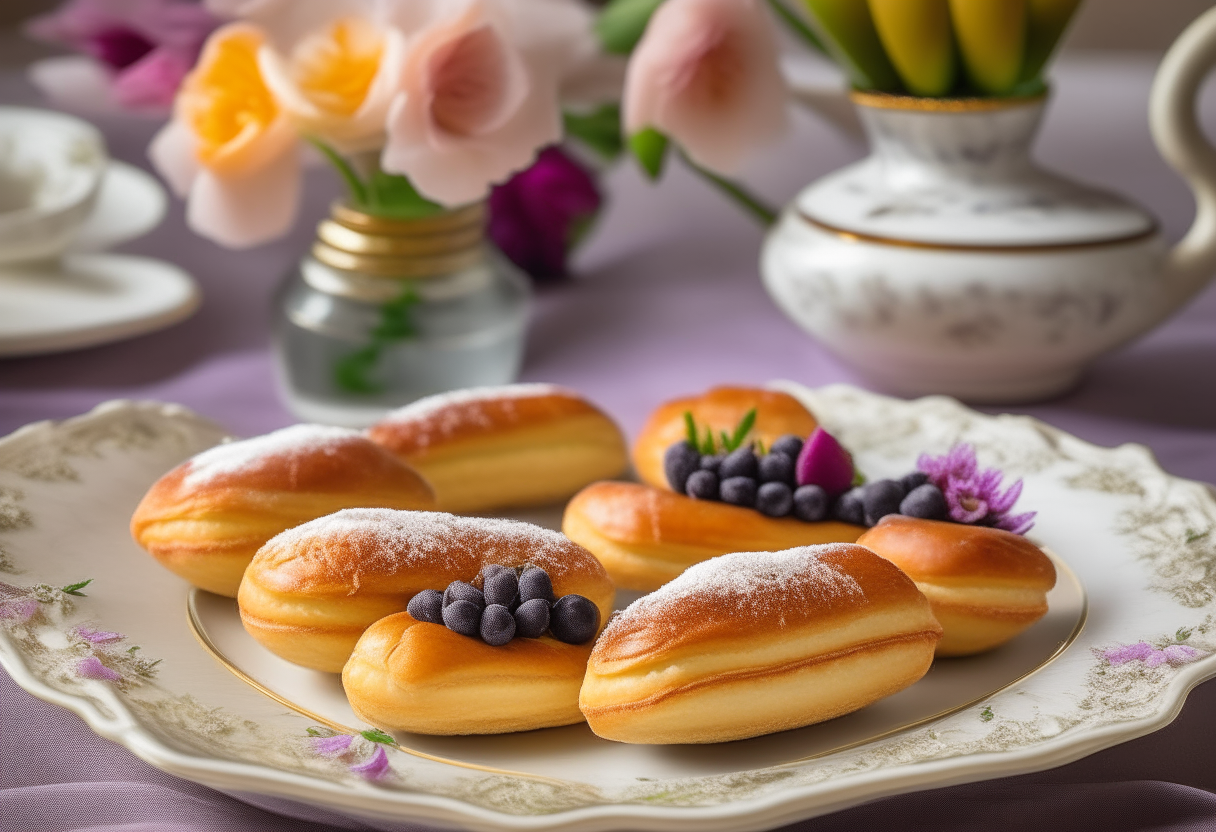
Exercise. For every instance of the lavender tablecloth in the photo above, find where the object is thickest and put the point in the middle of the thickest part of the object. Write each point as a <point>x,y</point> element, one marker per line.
<point>667,301</point>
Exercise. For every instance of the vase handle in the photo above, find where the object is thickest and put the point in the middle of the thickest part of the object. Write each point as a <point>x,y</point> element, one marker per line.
<point>1181,142</point>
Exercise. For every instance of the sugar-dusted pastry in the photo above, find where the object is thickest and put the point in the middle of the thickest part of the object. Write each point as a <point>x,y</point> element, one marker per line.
<point>753,643</point>
<point>986,585</point>
<point>311,591</point>
<point>504,655</point>
<point>206,518</point>
<point>721,409</point>
<point>491,448</point>
<point>646,536</point>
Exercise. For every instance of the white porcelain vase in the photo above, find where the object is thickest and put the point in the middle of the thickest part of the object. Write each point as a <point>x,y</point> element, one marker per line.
<point>949,262</point>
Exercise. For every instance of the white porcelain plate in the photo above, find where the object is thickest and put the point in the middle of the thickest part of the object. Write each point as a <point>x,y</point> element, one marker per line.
<point>1140,545</point>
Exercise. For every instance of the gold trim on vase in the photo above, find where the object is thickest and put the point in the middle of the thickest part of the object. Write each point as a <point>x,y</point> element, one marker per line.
<point>1063,571</point>
<point>353,218</point>
<point>913,103</point>
<point>384,247</point>
<point>981,248</point>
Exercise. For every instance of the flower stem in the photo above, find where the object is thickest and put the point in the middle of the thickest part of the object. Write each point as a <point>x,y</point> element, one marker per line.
<point>358,190</point>
<point>752,204</point>
<point>797,25</point>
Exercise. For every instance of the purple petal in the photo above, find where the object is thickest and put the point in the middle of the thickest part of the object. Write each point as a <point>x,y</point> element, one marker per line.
<point>98,636</point>
<point>91,667</point>
<point>1155,659</point>
<point>956,493</point>
<point>332,746</point>
<point>1017,523</point>
<point>152,81</point>
<point>375,767</point>
<point>824,462</point>
<point>1181,654</point>
<point>18,609</point>
<point>1001,503</point>
<point>1139,651</point>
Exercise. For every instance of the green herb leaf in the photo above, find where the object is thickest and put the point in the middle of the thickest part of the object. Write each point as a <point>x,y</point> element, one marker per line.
<point>74,589</point>
<point>690,428</point>
<point>316,732</point>
<point>1183,634</point>
<point>987,715</point>
<point>858,477</point>
<point>376,735</point>
<point>392,195</point>
<point>351,371</point>
<point>742,429</point>
<point>649,147</point>
<point>599,129</point>
<point>622,22</point>
<point>707,445</point>
<point>1192,535</point>
<point>725,437</point>
<point>396,323</point>
<point>760,447</point>
<point>355,185</point>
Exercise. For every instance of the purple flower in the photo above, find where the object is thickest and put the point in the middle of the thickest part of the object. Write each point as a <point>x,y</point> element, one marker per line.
<point>374,767</point>
<point>333,746</point>
<point>973,495</point>
<point>91,667</point>
<point>147,45</point>
<point>1177,654</point>
<point>1142,651</point>
<point>18,609</point>
<point>1129,653</point>
<point>98,636</point>
<point>538,215</point>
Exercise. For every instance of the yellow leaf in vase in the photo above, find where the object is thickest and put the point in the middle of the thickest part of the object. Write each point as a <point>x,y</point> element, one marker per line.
<point>991,36</point>
<point>917,37</point>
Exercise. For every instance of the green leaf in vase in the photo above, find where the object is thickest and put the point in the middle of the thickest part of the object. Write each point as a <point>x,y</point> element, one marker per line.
<point>649,147</point>
<point>1046,21</point>
<point>599,129</point>
<point>848,32</point>
<point>991,39</point>
<point>393,195</point>
<point>622,22</point>
<point>919,40</point>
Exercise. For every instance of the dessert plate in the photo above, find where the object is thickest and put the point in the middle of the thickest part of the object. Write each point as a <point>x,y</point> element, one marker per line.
<point>1141,544</point>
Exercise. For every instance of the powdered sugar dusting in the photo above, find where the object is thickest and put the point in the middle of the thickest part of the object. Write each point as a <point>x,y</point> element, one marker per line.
<point>432,404</point>
<point>233,457</point>
<point>751,584</point>
<point>389,541</point>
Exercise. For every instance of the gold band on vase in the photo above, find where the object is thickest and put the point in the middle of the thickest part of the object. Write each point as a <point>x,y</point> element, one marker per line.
<point>352,240</point>
<point>915,103</point>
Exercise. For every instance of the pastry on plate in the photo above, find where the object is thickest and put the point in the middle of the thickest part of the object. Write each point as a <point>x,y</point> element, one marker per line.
<point>986,585</point>
<point>493,448</point>
<point>310,592</point>
<point>721,409</point>
<point>752,643</point>
<point>646,536</point>
<point>500,653</point>
<point>205,519</point>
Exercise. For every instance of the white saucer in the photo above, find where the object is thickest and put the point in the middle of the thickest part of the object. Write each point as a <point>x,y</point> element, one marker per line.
<point>91,298</point>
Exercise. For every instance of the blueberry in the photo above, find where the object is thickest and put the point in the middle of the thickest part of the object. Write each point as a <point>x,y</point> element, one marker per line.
<point>534,582</point>
<point>790,445</point>
<point>532,618</point>
<point>777,467</point>
<point>738,491</point>
<point>740,463</point>
<point>501,588</point>
<point>680,460</point>
<point>491,569</point>
<point>849,507</point>
<point>880,498</point>
<point>913,480</point>
<point>712,462</point>
<point>497,625</point>
<point>427,606</point>
<point>574,619</point>
<point>703,485</point>
<point>460,591</point>
<point>774,499</point>
<point>811,503</point>
<point>925,501</point>
<point>463,617</point>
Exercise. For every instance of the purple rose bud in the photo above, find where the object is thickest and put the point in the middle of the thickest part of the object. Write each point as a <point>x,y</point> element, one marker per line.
<point>823,462</point>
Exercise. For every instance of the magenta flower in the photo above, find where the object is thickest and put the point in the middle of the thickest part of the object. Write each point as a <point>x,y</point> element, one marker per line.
<point>98,636</point>
<point>975,496</point>
<point>91,667</point>
<point>148,46</point>
<point>539,214</point>
<point>18,609</point>
<point>1142,651</point>
<point>374,767</point>
<point>333,746</point>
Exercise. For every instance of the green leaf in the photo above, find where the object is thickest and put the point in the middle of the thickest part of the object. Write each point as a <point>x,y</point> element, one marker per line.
<point>858,477</point>
<point>1183,634</point>
<point>797,25</point>
<point>742,429</point>
<point>649,147</point>
<point>396,322</point>
<point>1192,535</point>
<point>622,22</point>
<point>394,196</point>
<point>376,735</point>
<point>725,437</point>
<point>350,371</point>
<point>316,732</point>
<point>707,444</point>
<point>987,715</point>
<point>760,447</point>
<point>74,589</point>
<point>358,190</point>
<point>690,428</point>
<point>600,130</point>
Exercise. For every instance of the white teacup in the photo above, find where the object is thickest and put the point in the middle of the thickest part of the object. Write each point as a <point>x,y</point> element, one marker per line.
<point>51,167</point>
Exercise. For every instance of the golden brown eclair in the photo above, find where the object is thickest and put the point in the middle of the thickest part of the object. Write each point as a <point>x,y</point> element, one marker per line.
<point>206,518</point>
<point>721,409</point>
<point>646,536</point>
<point>752,643</point>
<point>413,676</point>
<point>986,585</point>
<point>311,592</point>
<point>493,448</point>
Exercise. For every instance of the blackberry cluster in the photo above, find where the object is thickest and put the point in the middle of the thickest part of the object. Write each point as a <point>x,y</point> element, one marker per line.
<point>768,483</point>
<point>510,603</point>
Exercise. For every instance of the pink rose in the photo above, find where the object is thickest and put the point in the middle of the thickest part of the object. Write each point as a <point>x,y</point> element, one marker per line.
<point>705,73</point>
